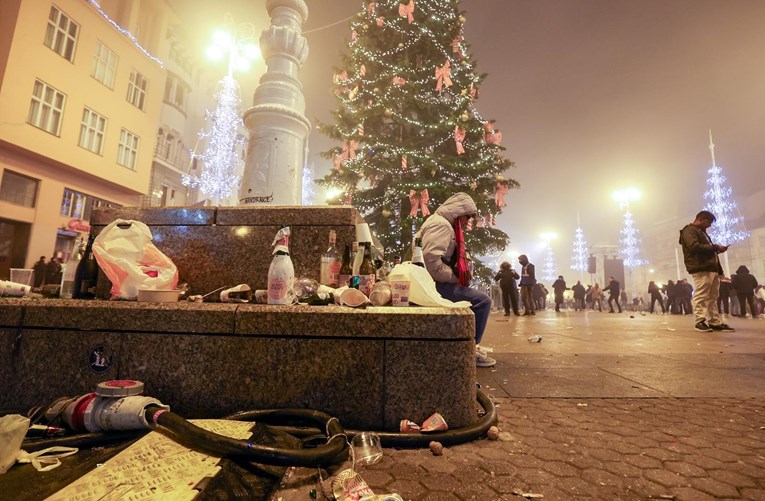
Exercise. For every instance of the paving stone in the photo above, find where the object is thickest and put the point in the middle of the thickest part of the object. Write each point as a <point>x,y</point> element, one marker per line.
<point>691,494</point>
<point>753,494</point>
<point>719,454</point>
<point>407,489</point>
<point>714,487</point>
<point>560,469</point>
<point>642,461</point>
<point>685,469</point>
<point>666,478</point>
<point>621,469</point>
<point>601,477</point>
<point>734,478</point>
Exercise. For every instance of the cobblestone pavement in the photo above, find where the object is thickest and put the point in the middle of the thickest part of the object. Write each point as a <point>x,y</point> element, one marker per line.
<point>615,407</point>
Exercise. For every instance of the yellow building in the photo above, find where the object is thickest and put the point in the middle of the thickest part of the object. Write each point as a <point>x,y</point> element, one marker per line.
<point>80,106</point>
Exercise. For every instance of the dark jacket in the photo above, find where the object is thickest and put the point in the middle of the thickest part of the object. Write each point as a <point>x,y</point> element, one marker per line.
<point>507,278</point>
<point>529,278</point>
<point>578,290</point>
<point>698,252</point>
<point>559,286</point>
<point>743,282</point>
<point>613,288</point>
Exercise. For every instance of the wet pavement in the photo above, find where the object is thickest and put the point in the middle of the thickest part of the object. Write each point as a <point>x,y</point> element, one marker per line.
<point>607,406</point>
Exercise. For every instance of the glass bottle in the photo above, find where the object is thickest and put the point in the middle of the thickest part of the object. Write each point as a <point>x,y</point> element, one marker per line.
<point>330,263</point>
<point>86,275</point>
<point>346,272</point>
<point>70,268</point>
<point>367,270</point>
<point>417,253</point>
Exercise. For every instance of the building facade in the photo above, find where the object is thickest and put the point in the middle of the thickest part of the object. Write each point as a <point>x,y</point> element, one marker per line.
<point>94,107</point>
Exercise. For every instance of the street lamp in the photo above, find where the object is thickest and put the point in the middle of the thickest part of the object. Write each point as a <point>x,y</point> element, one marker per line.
<point>548,272</point>
<point>236,41</point>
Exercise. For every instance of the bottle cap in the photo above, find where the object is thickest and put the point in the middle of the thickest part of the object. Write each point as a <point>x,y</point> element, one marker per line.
<point>119,388</point>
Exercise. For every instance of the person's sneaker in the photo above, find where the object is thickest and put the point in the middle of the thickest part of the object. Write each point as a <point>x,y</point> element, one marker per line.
<point>480,349</point>
<point>703,327</point>
<point>722,327</point>
<point>483,360</point>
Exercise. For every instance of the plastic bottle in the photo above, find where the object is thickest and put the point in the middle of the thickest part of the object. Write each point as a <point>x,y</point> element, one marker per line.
<point>70,269</point>
<point>86,274</point>
<point>281,273</point>
<point>330,263</point>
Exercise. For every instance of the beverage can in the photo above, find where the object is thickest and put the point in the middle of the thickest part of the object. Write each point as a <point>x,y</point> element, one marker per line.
<point>400,289</point>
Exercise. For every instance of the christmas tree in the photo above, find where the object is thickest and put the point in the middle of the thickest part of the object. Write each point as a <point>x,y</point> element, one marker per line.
<point>411,134</point>
<point>630,242</point>
<point>719,203</point>
<point>580,253</point>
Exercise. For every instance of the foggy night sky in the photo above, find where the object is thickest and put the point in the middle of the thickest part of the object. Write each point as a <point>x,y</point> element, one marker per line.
<point>590,95</point>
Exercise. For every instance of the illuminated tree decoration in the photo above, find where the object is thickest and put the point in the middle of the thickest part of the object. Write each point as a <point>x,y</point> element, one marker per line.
<point>221,172</point>
<point>630,243</point>
<point>406,93</point>
<point>581,253</point>
<point>548,271</point>
<point>719,203</point>
<point>309,192</point>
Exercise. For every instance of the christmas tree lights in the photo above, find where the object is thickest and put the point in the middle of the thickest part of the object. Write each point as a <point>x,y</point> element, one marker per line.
<point>221,172</point>
<point>400,132</point>
<point>724,231</point>
<point>548,270</point>
<point>580,253</point>
<point>630,243</point>
<point>309,192</point>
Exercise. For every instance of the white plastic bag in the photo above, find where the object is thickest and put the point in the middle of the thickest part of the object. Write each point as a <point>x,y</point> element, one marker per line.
<point>13,429</point>
<point>127,256</point>
<point>423,289</point>
<point>46,459</point>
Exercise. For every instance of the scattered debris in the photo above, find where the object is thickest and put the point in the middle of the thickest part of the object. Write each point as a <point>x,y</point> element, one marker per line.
<point>535,339</point>
<point>581,405</point>
<point>436,448</point>
<point>528,495</point>
<point>493,433</point>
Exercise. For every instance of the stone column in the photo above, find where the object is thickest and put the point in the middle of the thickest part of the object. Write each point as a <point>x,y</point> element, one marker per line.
<point>276,151</point>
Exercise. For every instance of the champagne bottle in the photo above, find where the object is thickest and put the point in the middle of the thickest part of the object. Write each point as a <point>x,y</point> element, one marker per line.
<point>417,253</point>
<point>346,272</point>
<point>330,263</point>
<point>281,273</point>
<point>67,278</point>
<point>367,270</point>
<point>86,275</point>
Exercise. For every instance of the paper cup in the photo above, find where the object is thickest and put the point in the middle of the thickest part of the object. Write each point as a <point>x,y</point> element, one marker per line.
<point>400,292</point>
<point>13,289</point>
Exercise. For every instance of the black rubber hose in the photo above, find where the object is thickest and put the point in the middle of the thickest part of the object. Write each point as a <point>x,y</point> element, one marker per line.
<point>200,439</point>
<point>83,440</point>
<point>394,439</point>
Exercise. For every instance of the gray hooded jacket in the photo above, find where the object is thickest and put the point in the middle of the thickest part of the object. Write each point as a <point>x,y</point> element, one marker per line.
<point>438,238</point>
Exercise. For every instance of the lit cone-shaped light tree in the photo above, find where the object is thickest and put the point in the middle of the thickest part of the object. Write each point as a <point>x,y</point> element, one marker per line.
<point>548,268</point>
<point>729,225</point>
<point>410,132</point>
<point>630,242</point>
<point>221,171</point>
<point>580,253</point>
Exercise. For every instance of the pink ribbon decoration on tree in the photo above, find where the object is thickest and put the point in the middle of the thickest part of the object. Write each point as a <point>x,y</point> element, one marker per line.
<point>459,136</point>
<point>380,21</point>
<point>473,91</point>
<point>337,161</point>
<point>499,195</point>
<point>371,8</point>
<point>456,47</point>
<point>492,136</point>
<point>341,78</point>
<point>419,201</point>
<point>399,81</point>
<point>363,71</point>
<point>443,76</point>
<point>349,150</point>
<point>404,162</point>
<point>407,11</point>
<point>469,224</point>
<point>487,221</point>
<point>354,36</point>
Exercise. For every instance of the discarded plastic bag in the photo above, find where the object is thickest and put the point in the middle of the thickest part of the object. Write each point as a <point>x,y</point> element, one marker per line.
<point>125,252</point>
<point>423,289</point>
<point>46,459</point>
<point>13,428</point>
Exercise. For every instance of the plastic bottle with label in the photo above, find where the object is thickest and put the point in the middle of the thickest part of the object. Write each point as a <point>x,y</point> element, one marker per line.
<point>70,268</point>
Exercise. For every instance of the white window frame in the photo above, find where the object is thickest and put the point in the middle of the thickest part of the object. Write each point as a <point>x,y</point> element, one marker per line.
<point>136,94</point>
<point>46,109</point>
<point>104,65</point>
<point>61,34</point>
<point>127,154</point>
<point>92,131</point>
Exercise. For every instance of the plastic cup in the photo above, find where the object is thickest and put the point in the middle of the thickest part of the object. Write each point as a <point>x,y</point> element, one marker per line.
<point>21,276</point>
<point>400,292</point>
<point>366,448</point>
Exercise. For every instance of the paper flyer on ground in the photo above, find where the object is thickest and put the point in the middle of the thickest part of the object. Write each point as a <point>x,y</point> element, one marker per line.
<point>155,467</point>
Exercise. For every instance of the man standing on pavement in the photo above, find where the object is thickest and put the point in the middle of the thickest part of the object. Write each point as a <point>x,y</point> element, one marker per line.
<point>701,261</point>
<point>528,281</point>
<point>614,290</point>
<point>559,287</point>
<point>443,250</point>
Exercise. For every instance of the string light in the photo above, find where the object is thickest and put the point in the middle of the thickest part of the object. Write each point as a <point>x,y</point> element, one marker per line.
<point>630,242</point>
<point>719,203</point>
<point>580,254</point>
<point>125,32</point>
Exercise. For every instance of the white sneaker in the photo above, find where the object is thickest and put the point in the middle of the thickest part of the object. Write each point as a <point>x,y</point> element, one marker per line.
<point>483,351</point>
<point>482,360</point>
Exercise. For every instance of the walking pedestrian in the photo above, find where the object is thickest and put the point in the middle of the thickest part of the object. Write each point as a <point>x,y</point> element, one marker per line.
<point>38,272</point>
<point>507,277</point>
<point>723,300</point>
<point>613,294</point>
<point>559,287</point>
<point>744,284</point>
<point>443,249</point>
<point>52,272</point>
<point>597,297</point>
<point>579,293</point>
<point>528,280</point>
<point>701,261</point>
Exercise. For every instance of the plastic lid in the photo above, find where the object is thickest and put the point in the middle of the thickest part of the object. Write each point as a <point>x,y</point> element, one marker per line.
<point>119,388</point>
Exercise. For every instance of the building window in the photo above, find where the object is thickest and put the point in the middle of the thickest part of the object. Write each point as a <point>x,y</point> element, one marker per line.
<point>128,149</point>
<point>18,189</point>
<point>92,131</point>
<point>136,94</point>
<point>104,65</point>
<point>175,92</point>
<point>61,34</point>
<point>46,108</point>
<point>79,205</point>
